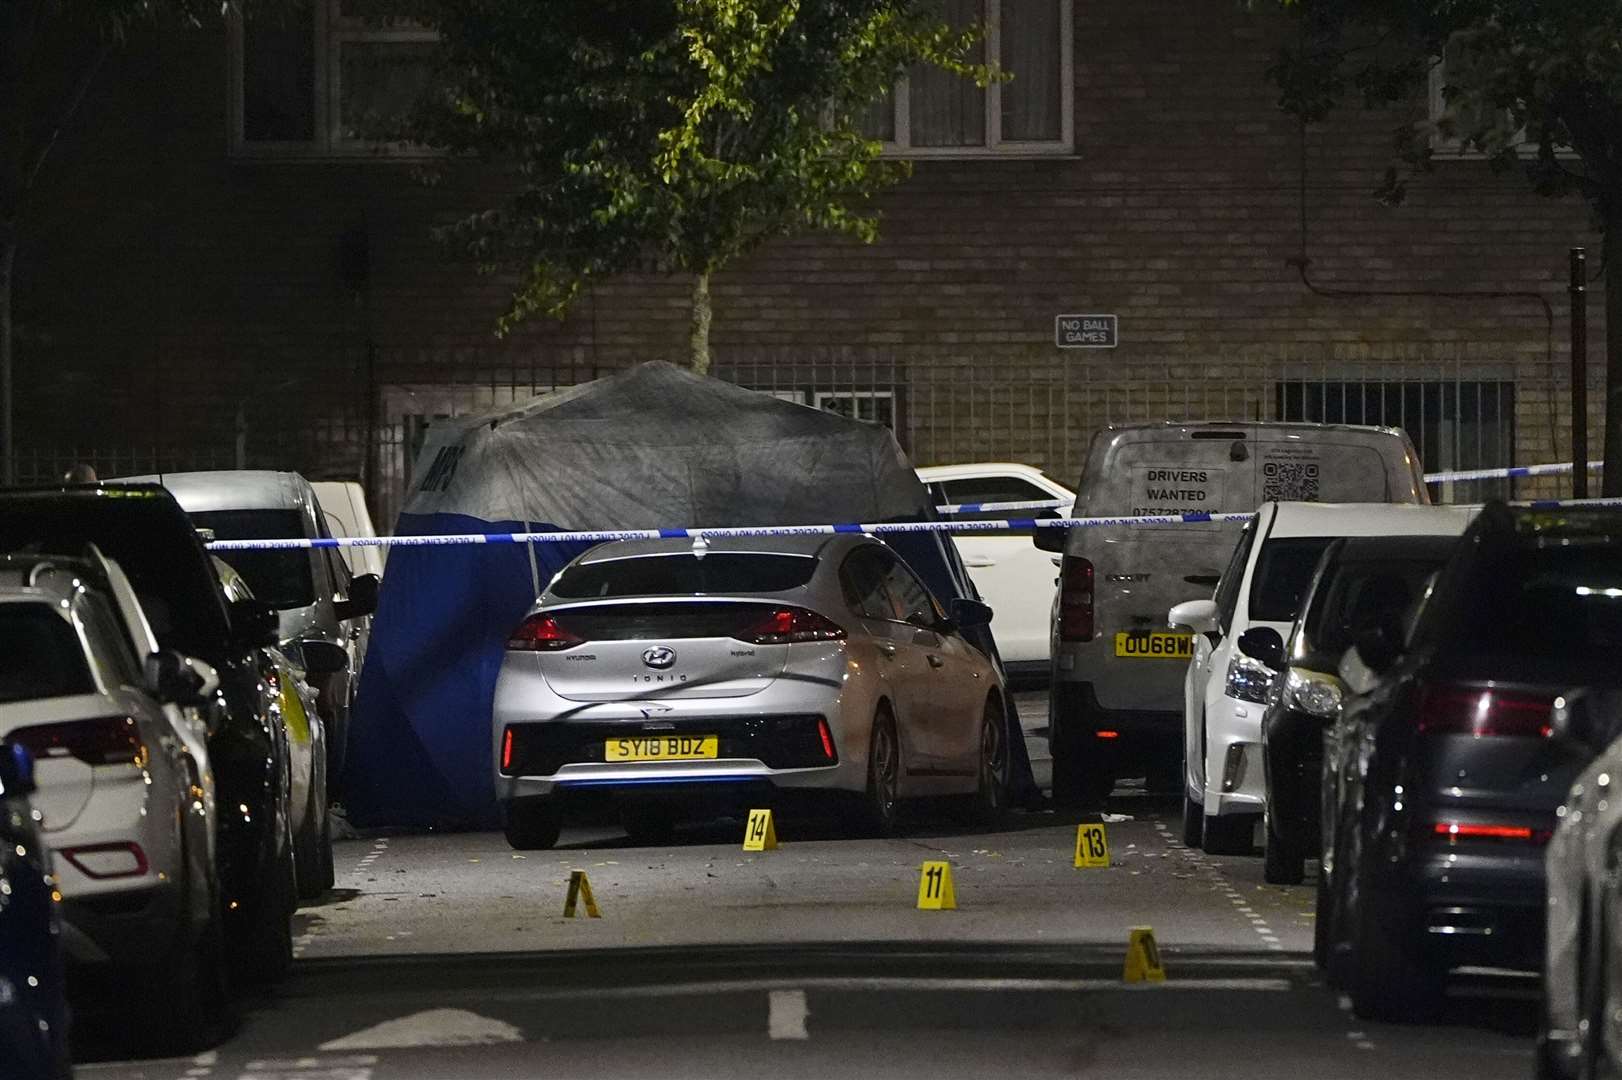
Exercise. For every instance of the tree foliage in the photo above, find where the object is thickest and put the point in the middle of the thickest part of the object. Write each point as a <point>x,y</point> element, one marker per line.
<point>672,135</point>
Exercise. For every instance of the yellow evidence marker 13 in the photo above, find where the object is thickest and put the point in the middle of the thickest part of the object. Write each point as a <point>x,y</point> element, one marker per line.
<point>760,834</point>
<point>935,891</point>
<point>1092,846</point>
<point>580,892</point>
<point>1142,957</point>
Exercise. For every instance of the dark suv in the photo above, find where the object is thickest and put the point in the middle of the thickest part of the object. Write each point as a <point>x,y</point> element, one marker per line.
<point>141,527</point>
<point>1444,780</point>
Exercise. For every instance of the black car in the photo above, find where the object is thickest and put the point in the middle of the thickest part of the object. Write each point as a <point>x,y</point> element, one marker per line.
<point>141,527</point>
<point>33,1004</point>
<point>1358,582</point>
<point>1443,778</point>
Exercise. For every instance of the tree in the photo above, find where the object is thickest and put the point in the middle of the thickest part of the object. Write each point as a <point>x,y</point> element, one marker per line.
<point>50,54</point>
<point>1533,85</point>
<point>674,135</point>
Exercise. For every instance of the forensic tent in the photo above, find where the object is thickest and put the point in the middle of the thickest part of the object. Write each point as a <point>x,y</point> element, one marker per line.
<point>653,447</point>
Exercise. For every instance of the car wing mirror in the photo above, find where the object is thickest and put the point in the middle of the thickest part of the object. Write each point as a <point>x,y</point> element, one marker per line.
<point>1377,647</point>
<point>1049,538</point>
<point>362,598</point>
<point>967,614</point>
<point>323,657</point>
<point>175,679</point>
<point>1199,616</point>
<point>1264,645</point>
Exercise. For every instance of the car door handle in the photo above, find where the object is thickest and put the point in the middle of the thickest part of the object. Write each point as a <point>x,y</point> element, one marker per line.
<point>979,560</point>
<point>935,661</point>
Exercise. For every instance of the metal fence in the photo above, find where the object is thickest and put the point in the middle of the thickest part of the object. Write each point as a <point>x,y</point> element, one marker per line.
<point>1463,408</point>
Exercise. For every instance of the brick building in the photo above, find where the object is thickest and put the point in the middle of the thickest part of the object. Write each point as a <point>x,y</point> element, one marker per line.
<point>214,274</point>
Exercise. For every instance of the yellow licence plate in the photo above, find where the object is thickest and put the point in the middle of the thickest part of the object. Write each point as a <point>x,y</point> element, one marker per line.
<point>1156,645</point>
<point>662,748</point>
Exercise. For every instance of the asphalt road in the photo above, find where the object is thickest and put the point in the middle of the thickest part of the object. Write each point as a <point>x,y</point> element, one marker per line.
<point>449,956</point>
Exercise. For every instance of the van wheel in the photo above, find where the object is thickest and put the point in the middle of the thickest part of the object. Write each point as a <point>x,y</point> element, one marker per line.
<point>1229,834</point>
<point>879,807</point>
<point>531,825</point>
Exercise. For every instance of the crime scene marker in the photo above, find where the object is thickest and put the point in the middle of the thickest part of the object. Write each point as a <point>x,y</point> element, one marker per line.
<point>1142,957</point>
<point>935,887</point>
<point>760,834</point>
<point>580,891</point>
<point>1092,846</point>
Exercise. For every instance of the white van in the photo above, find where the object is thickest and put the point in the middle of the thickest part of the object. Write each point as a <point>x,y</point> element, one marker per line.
<point>1225,691</point>
<point>1012,576</point>
<point>343,504</point>
<point>1115,706</point>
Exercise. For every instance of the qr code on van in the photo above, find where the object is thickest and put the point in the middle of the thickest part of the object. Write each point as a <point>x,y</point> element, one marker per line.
<point>1290,481</point>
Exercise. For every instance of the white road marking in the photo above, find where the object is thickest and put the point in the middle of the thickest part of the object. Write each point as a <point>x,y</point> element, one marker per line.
<point>786,1014</point>
<point>434,1027</point>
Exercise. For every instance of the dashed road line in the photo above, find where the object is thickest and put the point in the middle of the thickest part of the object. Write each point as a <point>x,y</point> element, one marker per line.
<point>1213,873</point>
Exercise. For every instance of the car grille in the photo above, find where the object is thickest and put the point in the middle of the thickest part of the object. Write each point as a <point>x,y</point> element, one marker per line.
<point>781,742</point>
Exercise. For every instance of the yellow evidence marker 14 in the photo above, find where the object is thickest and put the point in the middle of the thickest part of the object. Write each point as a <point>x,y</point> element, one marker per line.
<point>759,833</point>
<point>935,891</point>
<point>1142,957</point>
<point>580,892</point>
<point>1092,846</point>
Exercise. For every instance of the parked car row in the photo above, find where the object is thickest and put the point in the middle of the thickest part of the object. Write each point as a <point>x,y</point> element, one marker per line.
<point>173,706</point>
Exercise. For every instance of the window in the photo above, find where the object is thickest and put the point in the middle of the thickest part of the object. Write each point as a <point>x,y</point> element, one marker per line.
<point>685,575</point>
<point>874,406</point>
<point>1227,591</point>
<point>317,78</point>
<point>279,577</point>
<point>1454,119</point>
<point>934,113</point>
<point>1283,571</point>
<point>40,655</point>
<point>862,578</point>
<point>909,599</point>
<point>996,489</point>
<point>1454,424</point>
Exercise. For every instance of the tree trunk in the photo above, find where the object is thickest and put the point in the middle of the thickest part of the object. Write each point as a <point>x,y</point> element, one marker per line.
<point>1612,485</point>
<point>699,342</point>
<point>8,457</point>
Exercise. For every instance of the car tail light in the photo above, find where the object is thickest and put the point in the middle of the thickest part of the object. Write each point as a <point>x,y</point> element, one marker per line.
<point>506,750</point>
<point>1107,734</point>
<point>1461,710</point>
<point>111,740</point>
<point>827,736</point>
<point>108,860</point>
<point>1076,600</point>
<point>542,633</point>
<point>1455,831</point>
<point>789,624</point>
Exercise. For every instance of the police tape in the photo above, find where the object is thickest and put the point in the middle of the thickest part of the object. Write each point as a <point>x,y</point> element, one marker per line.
<point>1556,468</point>
<point>882,528</point>
<point>992,507</point>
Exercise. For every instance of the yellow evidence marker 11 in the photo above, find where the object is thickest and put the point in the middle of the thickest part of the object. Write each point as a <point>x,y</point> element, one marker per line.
<point>935,887</point>
<point>580,892</point>
<point>1143,957</point>
<point>760,834</point>
<point>1092,846</point>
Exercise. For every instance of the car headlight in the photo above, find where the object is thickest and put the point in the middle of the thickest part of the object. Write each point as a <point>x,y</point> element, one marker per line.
<point>1312,693</point>
<point>1248,680</point>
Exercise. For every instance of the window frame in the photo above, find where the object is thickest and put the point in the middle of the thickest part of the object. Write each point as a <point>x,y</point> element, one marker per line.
<point>331,30</point>
<point>1452,148</point>
<point>995,145</point>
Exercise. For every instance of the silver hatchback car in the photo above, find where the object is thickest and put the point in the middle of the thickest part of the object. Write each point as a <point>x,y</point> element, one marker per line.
<point>681,680</point>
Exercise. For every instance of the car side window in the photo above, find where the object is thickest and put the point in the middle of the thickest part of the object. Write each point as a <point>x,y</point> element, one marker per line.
<point>1227,591</point>
<point>912,603</point>
<point>862,579</point>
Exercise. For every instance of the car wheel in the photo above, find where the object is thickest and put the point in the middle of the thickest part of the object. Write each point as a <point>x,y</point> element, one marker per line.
<point>326,874</point>
<point>650,825</point>
<point>880,802</point>
<point>269,954</point>
<point>1320,924</point>
<point>1193,820</point>
<point>1395,979</point>
<point>337,745</point>
<point>185,1006</point>
<point>307,848</point>
<point>1229,834</point>
<point>991,792</point>
<point>1281,864</point>
<point>532,825</point>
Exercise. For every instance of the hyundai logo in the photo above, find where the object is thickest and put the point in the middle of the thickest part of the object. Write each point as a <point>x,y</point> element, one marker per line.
<point>660,656</point>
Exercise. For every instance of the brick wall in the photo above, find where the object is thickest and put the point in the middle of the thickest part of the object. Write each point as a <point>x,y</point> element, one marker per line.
<point>173,299</point>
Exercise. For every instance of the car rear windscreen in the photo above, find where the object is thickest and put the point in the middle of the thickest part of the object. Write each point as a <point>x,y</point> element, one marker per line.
<point>1547,604</point>
<point>280,578</point>
<point>40,655</point>
<point>1283,572</point>
<point>685,574</point>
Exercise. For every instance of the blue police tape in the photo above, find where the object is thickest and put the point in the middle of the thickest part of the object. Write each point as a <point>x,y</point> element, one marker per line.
<point>1557,468</point>
<point>597,536</point>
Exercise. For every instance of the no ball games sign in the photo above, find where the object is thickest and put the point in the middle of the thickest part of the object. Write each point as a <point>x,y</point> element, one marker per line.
<point>1085,331</point>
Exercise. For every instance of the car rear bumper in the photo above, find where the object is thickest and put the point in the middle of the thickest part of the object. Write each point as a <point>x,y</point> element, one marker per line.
<point>1478,907</point>
<point>135,927</point>
<point>1126,736</point>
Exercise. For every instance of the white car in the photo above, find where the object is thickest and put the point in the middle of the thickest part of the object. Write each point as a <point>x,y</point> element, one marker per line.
<point>1011,575</point>
<point>125,792</point>
<point>1225,690</point>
